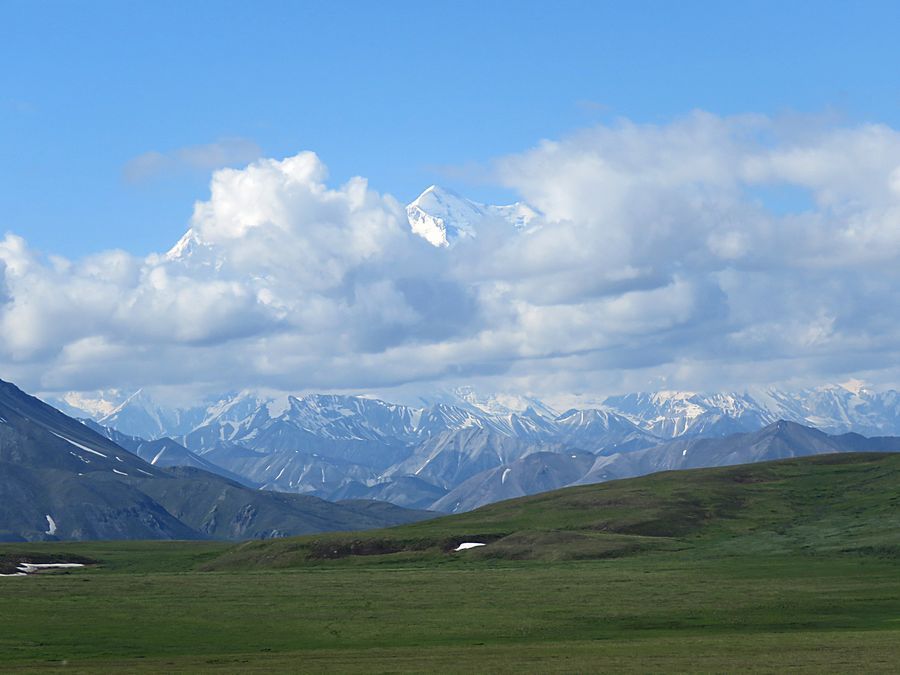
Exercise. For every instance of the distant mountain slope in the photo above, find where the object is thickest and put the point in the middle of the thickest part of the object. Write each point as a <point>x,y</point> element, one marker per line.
<point>538,472</point>
<point>139,415</point>
<point>668,414</point>
<point>35,435</point>
<point>835,409</point>
<point>164,453</point>
<point>838,408</point>
<point>454,456</point>
<point>780,440</point>
<point>60,479</point>
<point>408,491</point>
<point>225,510</point>
<point>534,473</point>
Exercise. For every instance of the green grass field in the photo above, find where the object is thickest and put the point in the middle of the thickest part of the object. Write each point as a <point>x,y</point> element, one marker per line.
<point>789,566</point>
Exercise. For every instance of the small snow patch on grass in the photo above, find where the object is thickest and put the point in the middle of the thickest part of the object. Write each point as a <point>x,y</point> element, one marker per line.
<point>466,545</point>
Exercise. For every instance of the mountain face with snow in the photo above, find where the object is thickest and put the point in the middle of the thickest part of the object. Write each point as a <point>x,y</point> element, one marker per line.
<point>60,479</point>
<point>780,440</point>
<point>140,415</point>
<point>542,471</point>
<point>442,217</point>
<point>669,414</point>
<point>835,409</point>
<point>321,443</point>
<point>536,472</point>
<point>493,403</point>
<point>163,452</point>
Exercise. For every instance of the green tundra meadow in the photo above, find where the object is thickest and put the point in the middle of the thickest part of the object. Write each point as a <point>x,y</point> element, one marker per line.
<point>784,566</point>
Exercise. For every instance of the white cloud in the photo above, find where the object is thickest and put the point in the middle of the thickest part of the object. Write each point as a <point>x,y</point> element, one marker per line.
<point>221,153</point>
<point>658,263</point>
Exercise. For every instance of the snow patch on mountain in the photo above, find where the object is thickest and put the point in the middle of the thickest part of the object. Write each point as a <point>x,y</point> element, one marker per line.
<point>79,445</point>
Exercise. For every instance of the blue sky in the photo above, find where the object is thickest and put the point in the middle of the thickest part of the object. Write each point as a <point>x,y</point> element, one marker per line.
<point>404,93</point>
<point>716,186</point>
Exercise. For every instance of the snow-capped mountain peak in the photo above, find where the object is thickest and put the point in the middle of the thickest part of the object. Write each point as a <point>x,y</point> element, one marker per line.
<point>442,217</point>
<point>856,387</point>
<point>502,403</point>
<point>184,246</point>
<point>236,407</point>
<point>95,405</point>
<point>672,413</point>
<point>142,415</point>
<point>193,250</point>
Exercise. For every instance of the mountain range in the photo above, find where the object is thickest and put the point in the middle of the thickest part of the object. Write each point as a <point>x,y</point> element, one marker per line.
<point>467,449</point>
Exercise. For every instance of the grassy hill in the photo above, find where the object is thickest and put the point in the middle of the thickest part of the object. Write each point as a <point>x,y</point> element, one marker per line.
<point>825,504</point>
<point>786,566</point>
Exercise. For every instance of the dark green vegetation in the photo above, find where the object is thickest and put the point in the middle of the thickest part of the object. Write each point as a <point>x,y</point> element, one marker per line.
<point>791,565</point>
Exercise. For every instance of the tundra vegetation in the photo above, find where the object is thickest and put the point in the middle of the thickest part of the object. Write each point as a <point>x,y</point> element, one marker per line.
<point>789,565</point>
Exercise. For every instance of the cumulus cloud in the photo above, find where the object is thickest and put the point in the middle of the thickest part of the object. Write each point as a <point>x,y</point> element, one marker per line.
<point>221,153</point>
<point>657,262</point>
